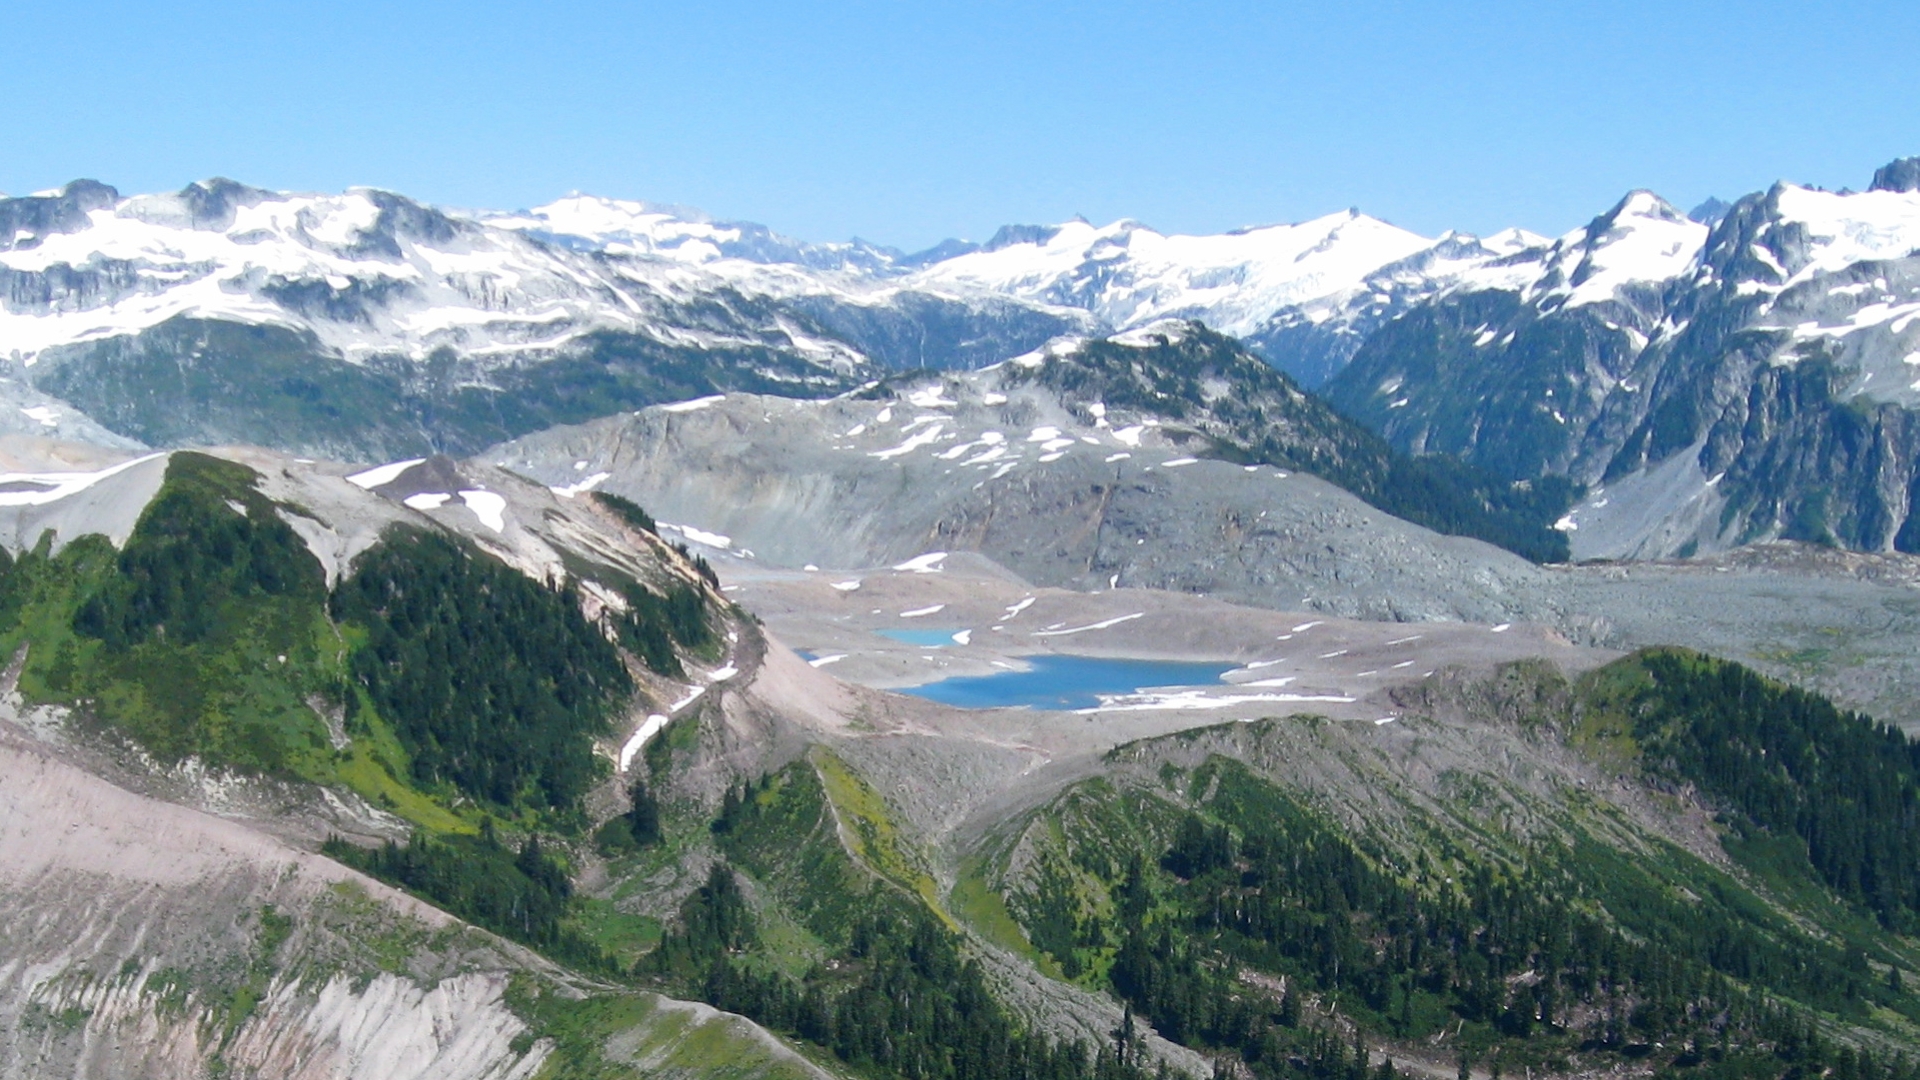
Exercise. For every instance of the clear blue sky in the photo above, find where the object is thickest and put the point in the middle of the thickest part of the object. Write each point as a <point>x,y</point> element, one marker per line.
<point>906,123</point>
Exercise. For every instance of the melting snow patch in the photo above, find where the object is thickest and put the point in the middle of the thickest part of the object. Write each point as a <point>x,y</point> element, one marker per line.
<point>933,397</point>
<point>695,404</point>
<point>919,611</point>
<point>722,674</point>
<point>1047,458</point>
<point>830,658</point>
<point>45,415</point>
<point>993,397</point>
<point>57,485</point>
<point>964,637</point>
<point>1102,625</point>
<point>1282,681</point>
<point>647,731</point>
<point>1502,628</point>
<point>885,415</point>
<point>591,482</point>
<point>701,536</point>
<point>923,564</point>
<point>914,443</point>
<point>1198,699</point>
<point>1306,626</point>
<point>1404,640</point>
<point>1177,462</point>
<point>383,474</point>
<point>1015,609</point>
<point>1121,456</point>
<point>490,508</point>
<point>847,586</point>
<point>1129,436</point>
<point>426,500</point>
<point>688,700</point>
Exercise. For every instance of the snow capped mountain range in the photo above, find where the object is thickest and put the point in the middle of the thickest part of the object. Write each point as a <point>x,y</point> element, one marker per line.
<point>370,273</point>
<point>1711,384</point>
<point>366,323</point>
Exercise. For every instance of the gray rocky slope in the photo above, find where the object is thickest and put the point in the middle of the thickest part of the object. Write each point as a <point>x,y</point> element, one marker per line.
<point>991,463</point>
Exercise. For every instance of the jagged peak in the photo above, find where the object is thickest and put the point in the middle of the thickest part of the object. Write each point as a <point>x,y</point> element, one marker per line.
<point>1902,174</point>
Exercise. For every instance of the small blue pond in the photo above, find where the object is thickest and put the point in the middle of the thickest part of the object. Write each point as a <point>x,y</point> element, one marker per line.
<point>929,637</point>
<point>1068,682</point>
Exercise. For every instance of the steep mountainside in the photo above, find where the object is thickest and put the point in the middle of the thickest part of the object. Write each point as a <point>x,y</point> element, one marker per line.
<point>1712,387</point>
<point>428,770</point>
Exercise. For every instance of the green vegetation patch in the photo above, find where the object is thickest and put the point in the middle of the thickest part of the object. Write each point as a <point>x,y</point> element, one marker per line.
<point>206,635</point>
<point>1807,790</point>
<point>1224,911</point>
<point>494,683</point>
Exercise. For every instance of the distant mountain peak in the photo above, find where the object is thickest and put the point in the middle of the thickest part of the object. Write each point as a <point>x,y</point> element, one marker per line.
<point>1710,211</point>
<point>1900,175</point>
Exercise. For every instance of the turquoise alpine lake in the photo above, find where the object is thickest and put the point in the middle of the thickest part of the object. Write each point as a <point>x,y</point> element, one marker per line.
<point>1068,682</point>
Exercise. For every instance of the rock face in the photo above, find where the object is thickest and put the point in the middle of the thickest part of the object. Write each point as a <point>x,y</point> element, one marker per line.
<point>1748,382</point>
<point>144,939</point>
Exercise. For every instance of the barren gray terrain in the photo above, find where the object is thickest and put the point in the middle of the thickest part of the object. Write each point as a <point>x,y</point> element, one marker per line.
<point>1068,500</point>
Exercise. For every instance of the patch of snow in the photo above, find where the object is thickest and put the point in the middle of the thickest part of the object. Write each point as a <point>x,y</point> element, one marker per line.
<point>913,443</point>
<point>830,658</point>
<point>722,674</point>
<point>1102,625</point>
<point>701,536</point>
<point>923,564</point>
<point>58,485</point>
<point>380,475</point>
<point>695,404</point>
<point>933,397</point>
<point>964,637</point>
<point>648,729</point>
<point>426,500</point>
<point>847,586</point>
<point>584,486</point>
<point>1177,462</point>
<point>1184,700</point>
<point>489,507</point>
<point>918,612</point>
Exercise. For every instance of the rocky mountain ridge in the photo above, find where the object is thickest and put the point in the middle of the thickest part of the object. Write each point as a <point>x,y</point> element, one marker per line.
<point>1757,382</point>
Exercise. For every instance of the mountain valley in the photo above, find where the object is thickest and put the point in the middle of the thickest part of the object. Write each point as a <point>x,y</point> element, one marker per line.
<point>517,645</point>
